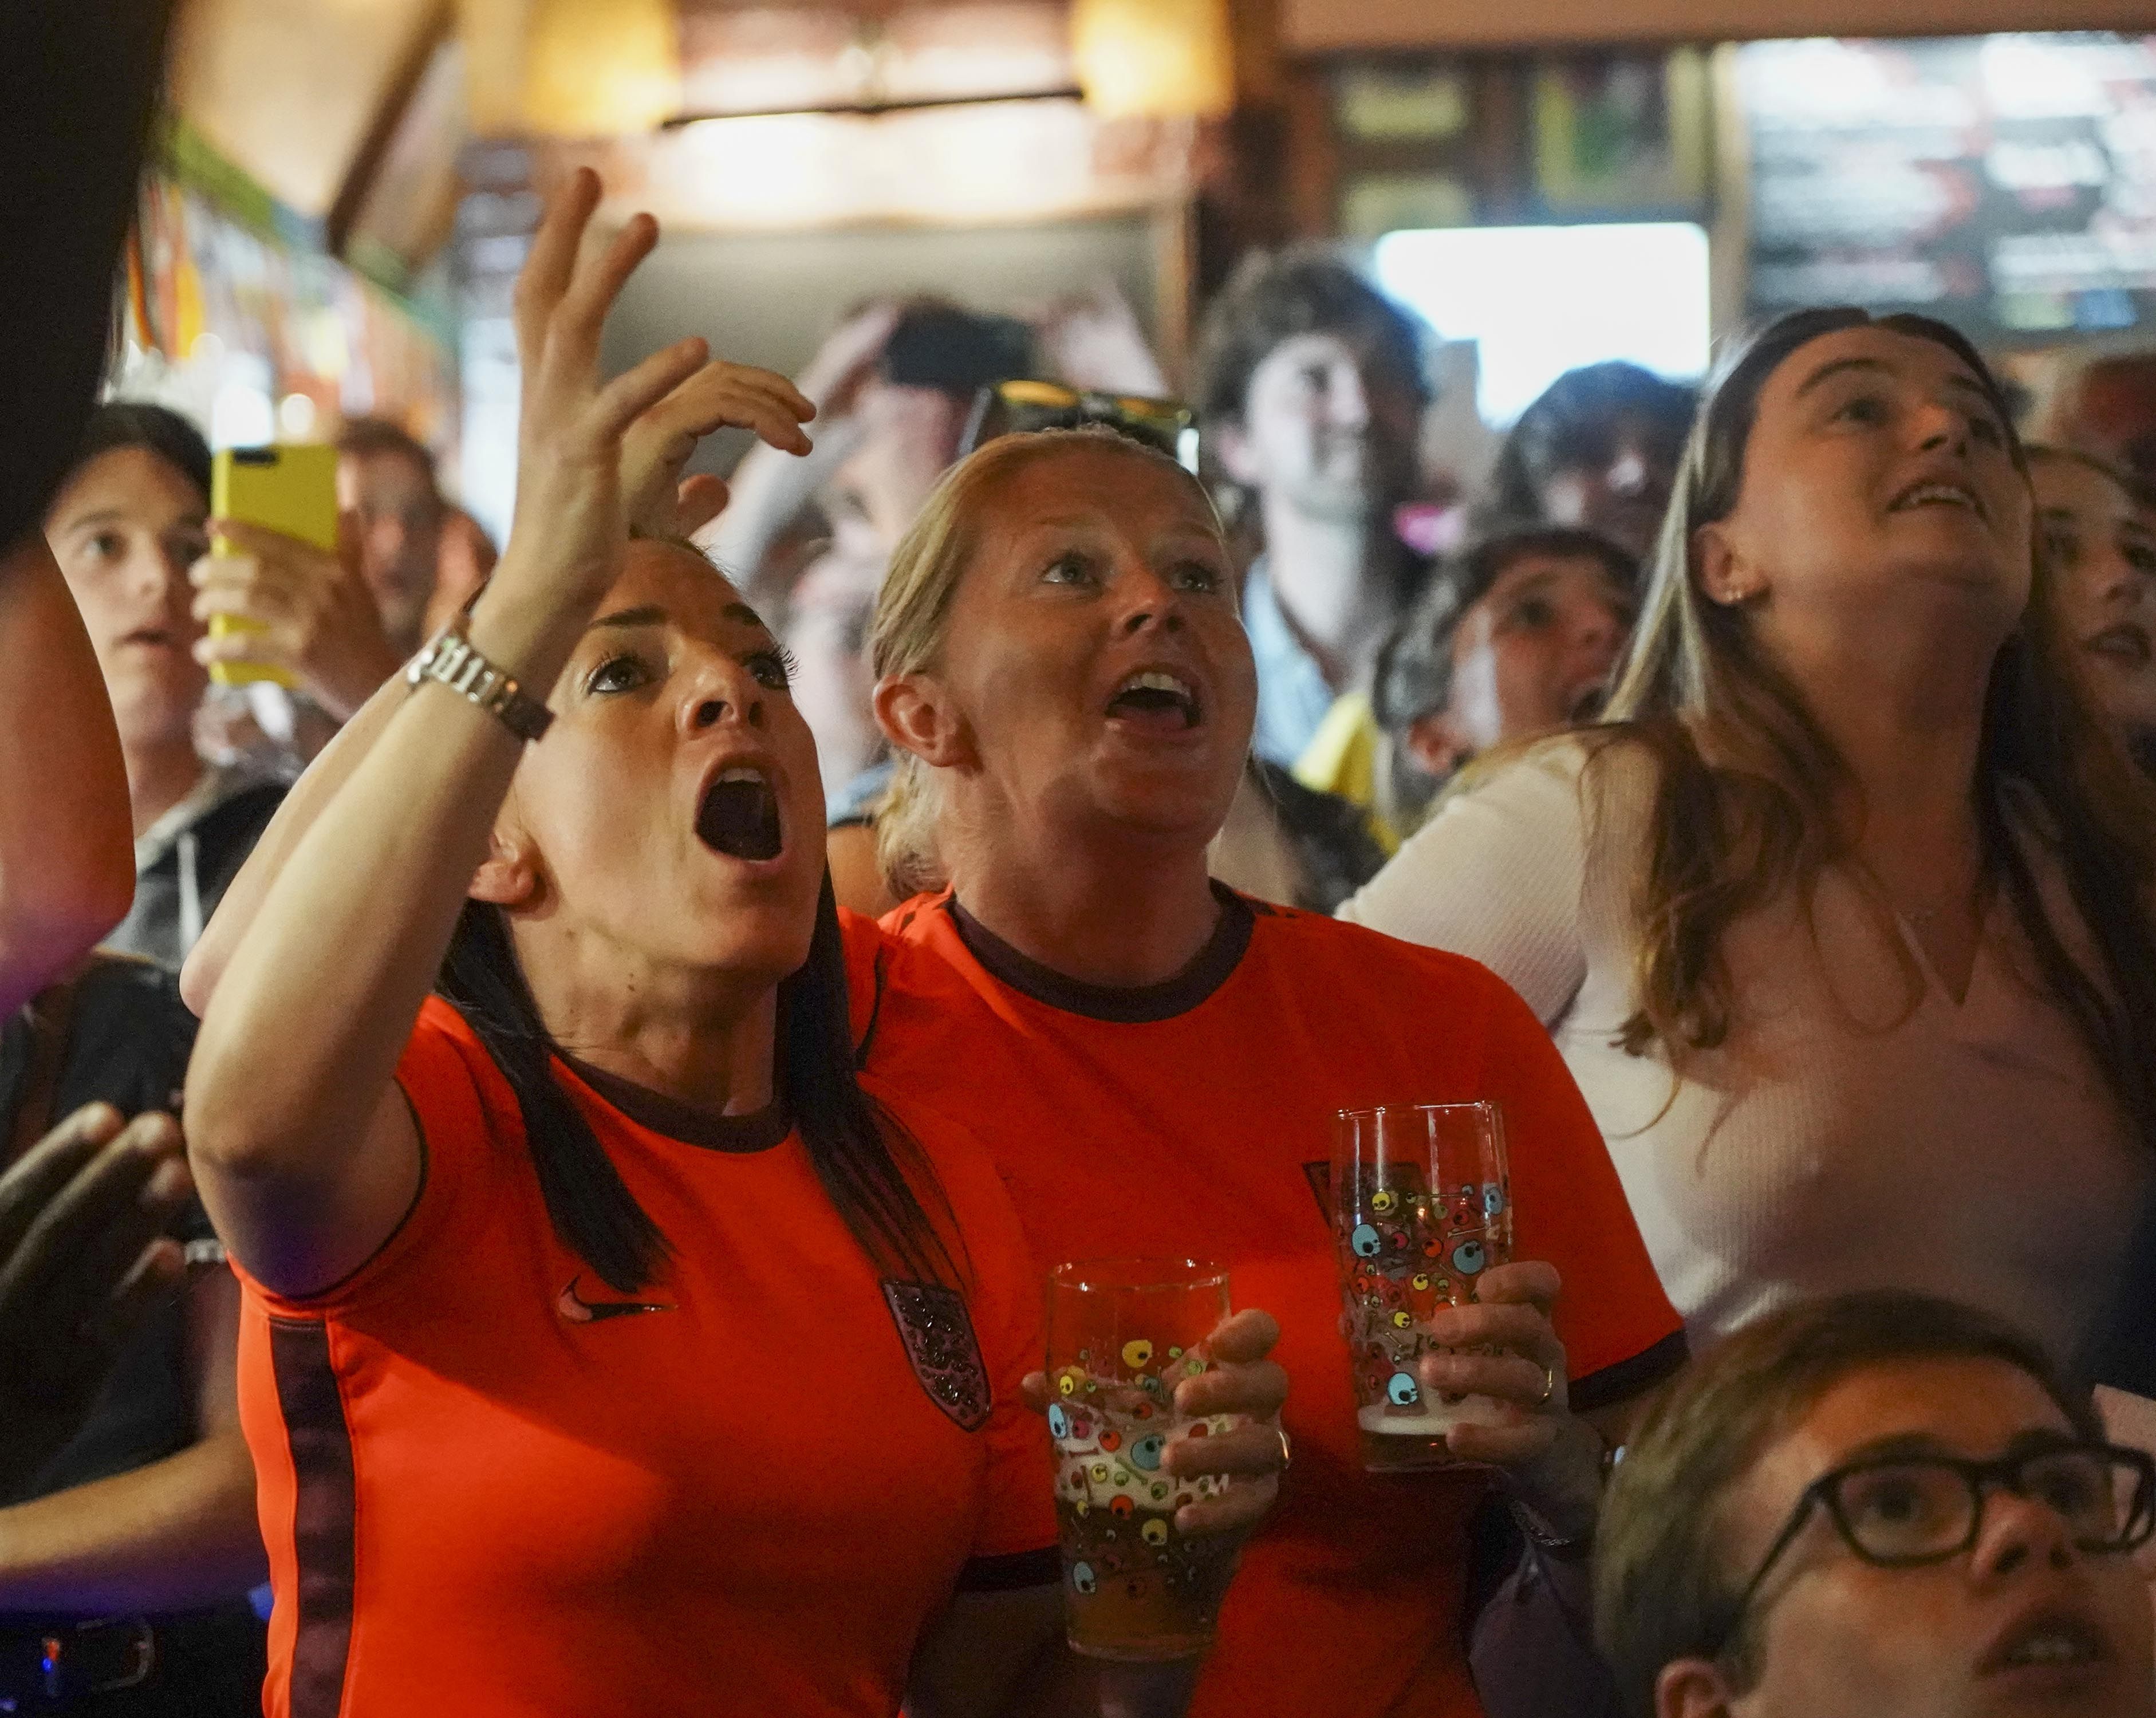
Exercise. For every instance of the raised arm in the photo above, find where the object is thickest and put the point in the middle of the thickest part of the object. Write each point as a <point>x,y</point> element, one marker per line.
<point>67,840</point>
<point>769,491</point>
<point>243,898</point>
<point>303,1150</point>
<point>658,503</point>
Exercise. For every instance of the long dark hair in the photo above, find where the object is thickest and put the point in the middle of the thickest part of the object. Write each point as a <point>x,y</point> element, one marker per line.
<point>872,1168</point>
<point>1726,837</point>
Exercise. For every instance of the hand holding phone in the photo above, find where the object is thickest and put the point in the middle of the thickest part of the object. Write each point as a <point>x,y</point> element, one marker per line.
<point>291,490</point>
<point>280,604</point>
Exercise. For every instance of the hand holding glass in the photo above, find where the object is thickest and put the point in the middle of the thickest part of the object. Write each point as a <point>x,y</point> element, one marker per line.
<point>1121,1334</point>
<point>1422,1206</point>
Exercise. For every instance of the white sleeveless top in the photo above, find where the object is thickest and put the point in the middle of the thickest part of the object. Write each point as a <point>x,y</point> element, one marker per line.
<point>1839,1138</point>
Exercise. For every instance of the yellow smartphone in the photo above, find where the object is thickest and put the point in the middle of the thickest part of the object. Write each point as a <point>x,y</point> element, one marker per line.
<point>291,488</point>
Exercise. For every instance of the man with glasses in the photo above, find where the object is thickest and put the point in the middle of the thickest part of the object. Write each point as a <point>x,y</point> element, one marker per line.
<point>1877,1504</point>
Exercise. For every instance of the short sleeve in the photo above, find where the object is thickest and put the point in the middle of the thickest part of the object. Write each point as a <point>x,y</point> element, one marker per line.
<point>1018,1517</point>
<point>128,1040</point>
<point>868,949</point>
<point>1619,1332</point>
<point>439,1076</point>
<point>1014,1540</point>
<point>1495,875</point>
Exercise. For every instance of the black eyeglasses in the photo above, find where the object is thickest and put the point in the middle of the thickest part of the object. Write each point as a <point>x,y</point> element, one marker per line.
<point>1012,407</point>
<point>1901,1512</point>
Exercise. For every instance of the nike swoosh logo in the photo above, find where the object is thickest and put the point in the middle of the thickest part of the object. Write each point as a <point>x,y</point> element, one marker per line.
<point>577,1310</point>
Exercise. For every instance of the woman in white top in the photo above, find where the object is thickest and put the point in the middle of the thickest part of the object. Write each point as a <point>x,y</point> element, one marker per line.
<point>1810,917</point>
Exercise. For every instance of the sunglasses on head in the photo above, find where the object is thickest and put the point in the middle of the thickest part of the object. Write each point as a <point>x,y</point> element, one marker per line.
<point>1014,408</point>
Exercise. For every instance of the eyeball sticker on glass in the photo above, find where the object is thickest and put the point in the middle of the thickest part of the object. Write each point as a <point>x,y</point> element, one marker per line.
<point>1122,1338</point>
<point>1422,1211</point>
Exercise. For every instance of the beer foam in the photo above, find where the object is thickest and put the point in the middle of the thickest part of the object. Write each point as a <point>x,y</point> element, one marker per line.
<point>1429,1419</point>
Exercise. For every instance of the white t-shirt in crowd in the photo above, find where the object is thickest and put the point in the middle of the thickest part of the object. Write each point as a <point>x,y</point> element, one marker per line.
<point>1839,1138</point>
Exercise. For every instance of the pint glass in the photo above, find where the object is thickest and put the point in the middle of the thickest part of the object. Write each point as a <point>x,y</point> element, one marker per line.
<point>1121,1334</point>
<point>1422,1208</point>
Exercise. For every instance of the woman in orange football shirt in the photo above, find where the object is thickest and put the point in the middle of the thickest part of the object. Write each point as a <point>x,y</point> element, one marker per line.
<point>1154,1061</point>
<point>609,1348</point>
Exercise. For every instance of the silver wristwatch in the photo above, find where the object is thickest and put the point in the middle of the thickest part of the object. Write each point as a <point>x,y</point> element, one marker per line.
<point>450,659</point>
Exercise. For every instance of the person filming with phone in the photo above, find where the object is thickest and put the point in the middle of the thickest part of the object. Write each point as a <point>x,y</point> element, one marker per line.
<point>328,612</point>
<point>129,525</point>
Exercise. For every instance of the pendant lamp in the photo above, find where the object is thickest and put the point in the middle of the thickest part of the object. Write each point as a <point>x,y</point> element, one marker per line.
<point>1153,58</point>
<point>571,68</point>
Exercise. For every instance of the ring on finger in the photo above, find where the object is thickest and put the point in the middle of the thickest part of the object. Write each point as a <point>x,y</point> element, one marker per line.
<point>1549,1387</point>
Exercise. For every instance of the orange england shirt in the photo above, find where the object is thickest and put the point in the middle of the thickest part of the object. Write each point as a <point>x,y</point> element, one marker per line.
<point>491,1486</point>
<point>1193,1118</point>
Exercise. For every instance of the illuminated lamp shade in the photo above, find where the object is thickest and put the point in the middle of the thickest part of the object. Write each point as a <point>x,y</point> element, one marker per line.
<point>1153,58</point>
<point>571,68</point>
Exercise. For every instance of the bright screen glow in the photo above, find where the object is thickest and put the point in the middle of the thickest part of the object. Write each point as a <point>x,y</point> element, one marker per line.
<point>1540,300</point>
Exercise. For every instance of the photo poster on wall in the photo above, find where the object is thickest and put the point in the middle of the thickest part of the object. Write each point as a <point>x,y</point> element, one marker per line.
<point>1623,133</point>
<point>2005,183</point>
<point>258,338</point>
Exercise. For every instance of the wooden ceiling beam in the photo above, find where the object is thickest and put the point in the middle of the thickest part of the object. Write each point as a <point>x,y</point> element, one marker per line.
<point>1331,27</point>
<point>429,31</point>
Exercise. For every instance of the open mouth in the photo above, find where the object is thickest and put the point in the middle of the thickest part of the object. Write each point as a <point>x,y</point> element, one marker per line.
<point>2125,643</point>
<point>156,636</point>
<point>1586,705</point>
<point>739,816</point>
<point>1935,494</point>
<point>2058,1640</point>
<point>1155,699</point>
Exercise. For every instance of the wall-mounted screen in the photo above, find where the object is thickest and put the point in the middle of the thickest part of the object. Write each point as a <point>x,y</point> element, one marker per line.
<point>1539,301</point>
<point>2006,184</point>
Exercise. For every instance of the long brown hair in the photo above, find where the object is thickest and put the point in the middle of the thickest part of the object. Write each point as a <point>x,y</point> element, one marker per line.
<point>1726,837</point>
